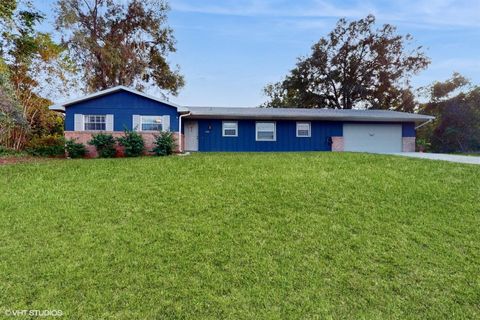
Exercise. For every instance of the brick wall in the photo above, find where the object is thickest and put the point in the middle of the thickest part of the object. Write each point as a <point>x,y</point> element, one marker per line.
<point>337,144</point>
<point>408,144</point>
<point>85,136</point>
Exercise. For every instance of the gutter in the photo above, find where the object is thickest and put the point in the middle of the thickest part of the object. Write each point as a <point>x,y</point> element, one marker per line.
<point>425,123</point>
<point>180,147</point>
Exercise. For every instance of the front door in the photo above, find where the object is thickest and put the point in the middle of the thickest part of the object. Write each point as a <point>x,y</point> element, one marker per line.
<point>191,136</point>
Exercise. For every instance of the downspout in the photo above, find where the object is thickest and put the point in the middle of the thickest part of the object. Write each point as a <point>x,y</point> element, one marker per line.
<point>180,146</point>
<point>425,123</point>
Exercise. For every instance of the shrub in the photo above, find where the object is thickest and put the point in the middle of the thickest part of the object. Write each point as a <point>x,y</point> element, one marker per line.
<point>46,146</point>
<point>105,145</point>
<point>423,145</point>
<point>133,143</point>
<point>75,149</point>
<point>6,152</point>
<point>164,144</point>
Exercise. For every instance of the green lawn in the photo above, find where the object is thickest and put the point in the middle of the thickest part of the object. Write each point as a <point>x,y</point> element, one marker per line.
<point>242,236</point>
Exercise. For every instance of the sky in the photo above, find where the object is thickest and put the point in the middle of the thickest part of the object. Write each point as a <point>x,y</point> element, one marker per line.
<point>228,50</point>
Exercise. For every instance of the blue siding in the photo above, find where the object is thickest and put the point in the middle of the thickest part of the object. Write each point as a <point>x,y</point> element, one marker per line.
<point>210,137</point>
<point>123,105</point>
<point>408,129</point>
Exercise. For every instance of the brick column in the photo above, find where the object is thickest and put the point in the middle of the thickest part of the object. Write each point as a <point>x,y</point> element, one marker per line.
<point>408,144</point>
<point>337,144</point>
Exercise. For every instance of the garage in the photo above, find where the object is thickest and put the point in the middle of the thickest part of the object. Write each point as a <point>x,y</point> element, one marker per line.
<point>378,138</point>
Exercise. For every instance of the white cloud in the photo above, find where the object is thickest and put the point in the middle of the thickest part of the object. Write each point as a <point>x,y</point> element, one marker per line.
<point>308,8</point>
<point>427,13</point>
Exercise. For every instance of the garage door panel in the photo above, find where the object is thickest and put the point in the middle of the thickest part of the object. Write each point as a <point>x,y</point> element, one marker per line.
<point>380,138</point>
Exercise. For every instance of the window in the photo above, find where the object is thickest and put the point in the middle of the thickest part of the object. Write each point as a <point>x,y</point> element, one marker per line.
<point>230,129</point>
<point>303,129</point>
<point>265,131</point>
<point>151,123</point>
<point>95,123</point>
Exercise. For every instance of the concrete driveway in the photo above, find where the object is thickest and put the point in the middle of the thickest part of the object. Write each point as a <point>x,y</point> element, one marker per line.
<point>440,156</point>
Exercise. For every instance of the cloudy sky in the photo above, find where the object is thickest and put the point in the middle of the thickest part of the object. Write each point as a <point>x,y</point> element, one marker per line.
<point>229,49</point>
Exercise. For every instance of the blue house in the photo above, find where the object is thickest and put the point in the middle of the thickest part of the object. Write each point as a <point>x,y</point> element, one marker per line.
<point>240,129</point>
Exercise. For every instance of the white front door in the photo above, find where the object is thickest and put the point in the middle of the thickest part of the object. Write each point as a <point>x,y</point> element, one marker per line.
<point>191,136</point>
<point>377,138</point>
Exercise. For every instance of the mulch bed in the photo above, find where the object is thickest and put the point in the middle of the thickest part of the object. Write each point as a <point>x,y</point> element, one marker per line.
<point>27,159</point>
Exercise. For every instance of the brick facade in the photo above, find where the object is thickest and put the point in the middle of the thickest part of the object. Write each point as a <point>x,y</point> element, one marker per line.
<point>408,144</point>
<point>85,136</point>
<point>337,144</point>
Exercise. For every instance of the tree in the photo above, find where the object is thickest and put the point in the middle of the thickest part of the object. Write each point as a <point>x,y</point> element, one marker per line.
<point>33,64</point>
<point>12,121</point>
<point>456,106</point>
<point>439,91</point>
<point>120,44</point>
<point>355,66</point>
<point>7,7</point>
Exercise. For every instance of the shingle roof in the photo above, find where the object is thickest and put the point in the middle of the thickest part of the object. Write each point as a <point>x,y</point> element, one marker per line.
<point>306,114</point>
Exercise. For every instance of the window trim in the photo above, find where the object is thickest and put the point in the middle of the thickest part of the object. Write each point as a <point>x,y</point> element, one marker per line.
<point>223,129</point>
<point>85,116</point>
<point>274,131</point>
<point>309,129</point>
<point>141,123</point>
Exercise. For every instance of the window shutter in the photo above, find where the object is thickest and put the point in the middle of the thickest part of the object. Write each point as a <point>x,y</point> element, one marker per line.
<point>78,122</point>
<point>109,122</point>
<point>136,125</point>
<point>166,123</point>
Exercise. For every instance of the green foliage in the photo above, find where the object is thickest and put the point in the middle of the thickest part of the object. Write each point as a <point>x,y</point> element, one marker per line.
<point>164,144</point>
<point>36,66</point>
<point>357,64</point>
<point>12,120</point>
<point>132,142</point>
<point>135,42</point>
<point>105,145</point>
<point>274,235</point>
<point>7,7</point>
<point>46,146</point>
<point>456,106</point>
<point>10,152</point>
<point>75,149</point>
<point>423,145</point>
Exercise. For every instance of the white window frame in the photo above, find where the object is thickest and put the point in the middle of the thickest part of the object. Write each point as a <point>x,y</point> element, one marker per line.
<point>274,131</point>
<point>229,135</point>
<point>161,123</point>
<point>85,122</point>
<point>309,129</point>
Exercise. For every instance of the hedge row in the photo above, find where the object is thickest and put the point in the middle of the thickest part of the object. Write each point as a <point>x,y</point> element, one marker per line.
<point>132,142</point>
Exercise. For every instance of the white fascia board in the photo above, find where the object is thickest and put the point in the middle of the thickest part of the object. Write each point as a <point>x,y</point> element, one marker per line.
<point>57,107</point>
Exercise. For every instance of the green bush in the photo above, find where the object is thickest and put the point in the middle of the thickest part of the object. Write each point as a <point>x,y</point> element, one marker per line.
<point>75,149</point>
<point>133,143</point>
<point>105,145</point>
<point>4,152</point>
<point>164,144</point>
<point>423,145</point>
<point>46,146</point>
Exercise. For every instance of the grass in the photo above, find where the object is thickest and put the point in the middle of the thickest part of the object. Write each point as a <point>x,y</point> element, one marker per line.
<point>242,236</point>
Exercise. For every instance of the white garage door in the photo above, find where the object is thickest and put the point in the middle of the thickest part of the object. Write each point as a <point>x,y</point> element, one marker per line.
<point>372,137</point>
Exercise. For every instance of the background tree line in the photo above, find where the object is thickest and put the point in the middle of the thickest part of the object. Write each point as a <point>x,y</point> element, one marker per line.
<point>103,43</point>
<point>360,65</point>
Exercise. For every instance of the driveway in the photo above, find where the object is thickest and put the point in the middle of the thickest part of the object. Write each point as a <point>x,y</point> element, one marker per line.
<point>440,156</point>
